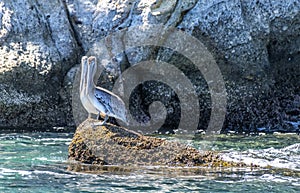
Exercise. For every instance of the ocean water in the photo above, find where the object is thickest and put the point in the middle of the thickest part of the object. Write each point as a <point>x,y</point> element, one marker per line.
<point>37,162</point>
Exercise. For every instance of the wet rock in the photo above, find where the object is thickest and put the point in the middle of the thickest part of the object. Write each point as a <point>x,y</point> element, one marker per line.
<point>113,145</point>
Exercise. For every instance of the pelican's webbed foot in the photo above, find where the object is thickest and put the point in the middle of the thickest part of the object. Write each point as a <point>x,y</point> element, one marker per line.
<point>103,122</point>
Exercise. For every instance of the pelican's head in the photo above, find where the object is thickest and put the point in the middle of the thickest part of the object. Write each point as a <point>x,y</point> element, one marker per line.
<point>83,62</point>
<point>93,64</point>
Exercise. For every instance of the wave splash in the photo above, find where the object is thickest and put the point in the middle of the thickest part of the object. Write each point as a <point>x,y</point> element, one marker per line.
<point>283,158</point>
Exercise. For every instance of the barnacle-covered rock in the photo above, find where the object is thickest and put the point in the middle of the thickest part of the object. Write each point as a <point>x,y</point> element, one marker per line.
<point>114,145</point>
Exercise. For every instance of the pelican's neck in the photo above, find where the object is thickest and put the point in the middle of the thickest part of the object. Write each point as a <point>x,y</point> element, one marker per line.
<point>90,79</point>
<point>83,78</point>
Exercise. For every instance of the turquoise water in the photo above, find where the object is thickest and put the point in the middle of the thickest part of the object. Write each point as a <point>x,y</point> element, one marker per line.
<point>37,162</point>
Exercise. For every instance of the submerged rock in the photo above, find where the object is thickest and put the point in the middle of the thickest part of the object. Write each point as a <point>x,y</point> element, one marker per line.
<point>114,145</point>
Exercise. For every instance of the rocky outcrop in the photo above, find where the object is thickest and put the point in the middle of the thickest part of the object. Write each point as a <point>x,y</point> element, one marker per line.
<point>255,44</point>
<point>37,48</point>
<point>113,145</point>
<point>258,53</point>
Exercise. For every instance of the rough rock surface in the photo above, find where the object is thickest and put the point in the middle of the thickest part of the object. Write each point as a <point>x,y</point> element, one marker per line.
<point>257,46</point>
<point>37,48</point>
<point>255,43</point>
<point>113,145</point>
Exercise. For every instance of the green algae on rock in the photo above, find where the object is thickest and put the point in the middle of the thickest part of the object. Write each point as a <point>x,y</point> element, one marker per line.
<point>118,146</point>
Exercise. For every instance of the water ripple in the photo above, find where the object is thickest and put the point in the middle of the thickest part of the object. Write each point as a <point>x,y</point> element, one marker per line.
<point>37,162</point>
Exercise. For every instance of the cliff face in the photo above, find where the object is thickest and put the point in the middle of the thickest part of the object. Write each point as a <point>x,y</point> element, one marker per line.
<point>255,44</point>
<point>37,48</point>
<point>258,52</point>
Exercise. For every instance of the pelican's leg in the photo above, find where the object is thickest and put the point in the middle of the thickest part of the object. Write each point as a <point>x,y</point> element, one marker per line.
<point>98,116</point>
<point>105,119</point>
<point>103,122</point>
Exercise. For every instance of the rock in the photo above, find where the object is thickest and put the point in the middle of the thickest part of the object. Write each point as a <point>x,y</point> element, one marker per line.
<point>257,48</point>
<point>255,44</point>
<point>37,48</point>
<point>114,145</point>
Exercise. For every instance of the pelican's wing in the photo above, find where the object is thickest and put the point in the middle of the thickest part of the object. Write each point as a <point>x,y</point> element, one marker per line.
<point>114,104</point>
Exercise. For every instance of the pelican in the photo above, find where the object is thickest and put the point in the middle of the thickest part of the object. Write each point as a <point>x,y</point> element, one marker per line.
<point>98,100</point>
<point>83,88</point>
